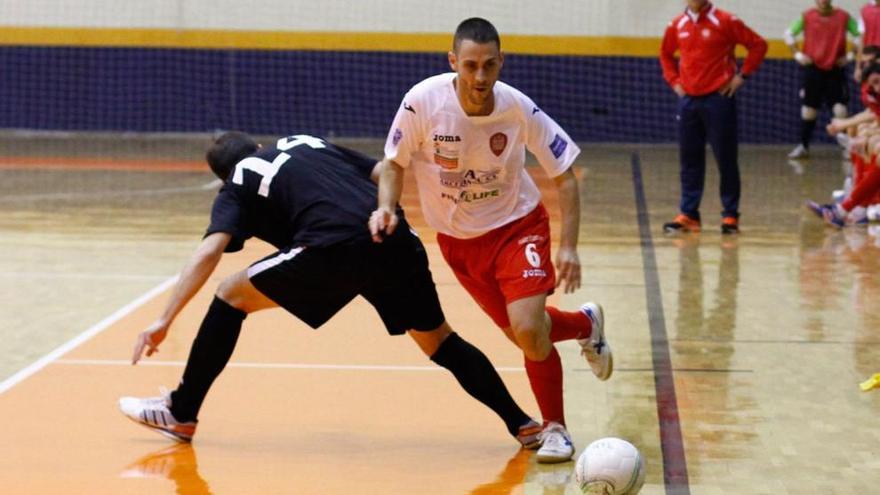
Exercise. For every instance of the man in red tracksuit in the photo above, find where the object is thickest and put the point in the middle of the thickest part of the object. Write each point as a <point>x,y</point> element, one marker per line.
<point>705,78</point>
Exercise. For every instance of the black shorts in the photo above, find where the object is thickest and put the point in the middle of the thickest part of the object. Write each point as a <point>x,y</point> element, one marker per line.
<point>314,283</point>
<point>824,86</point>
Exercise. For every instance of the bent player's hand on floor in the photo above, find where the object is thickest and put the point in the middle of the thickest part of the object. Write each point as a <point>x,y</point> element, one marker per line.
<point>150,339</point>
<point>568,270</point>
<point>382,222</point>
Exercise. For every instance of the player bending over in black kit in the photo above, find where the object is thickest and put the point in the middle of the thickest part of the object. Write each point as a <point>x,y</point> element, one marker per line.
<point>311,200</point>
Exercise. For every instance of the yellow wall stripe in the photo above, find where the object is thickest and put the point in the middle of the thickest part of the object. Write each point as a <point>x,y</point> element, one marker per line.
<point>344,41</point>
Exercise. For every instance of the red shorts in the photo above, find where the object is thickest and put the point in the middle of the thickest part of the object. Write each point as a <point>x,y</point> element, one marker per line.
<point>504,265</point>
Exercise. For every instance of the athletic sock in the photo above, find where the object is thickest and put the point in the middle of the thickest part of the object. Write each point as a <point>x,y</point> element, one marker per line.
<point>807,127</point>
<point>209,354</point>
<point>545,378</point>
<point>568,325</point>
<point>478,377</point>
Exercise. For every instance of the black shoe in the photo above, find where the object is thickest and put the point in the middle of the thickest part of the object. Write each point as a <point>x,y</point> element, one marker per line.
<point>729,225</point>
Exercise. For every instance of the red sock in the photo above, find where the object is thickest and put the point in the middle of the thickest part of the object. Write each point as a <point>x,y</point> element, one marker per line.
<point>865,190</point>
<point>568,325</point>
<point>545,378</point>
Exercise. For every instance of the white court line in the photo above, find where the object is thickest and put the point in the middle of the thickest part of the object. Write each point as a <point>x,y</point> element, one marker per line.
<point>295,366</point>
<point>83,337</point>
<point>82,275</point>
<point>110,194</point>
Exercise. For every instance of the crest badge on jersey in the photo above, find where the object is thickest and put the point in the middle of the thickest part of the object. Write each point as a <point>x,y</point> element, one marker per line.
<point>497,143</point>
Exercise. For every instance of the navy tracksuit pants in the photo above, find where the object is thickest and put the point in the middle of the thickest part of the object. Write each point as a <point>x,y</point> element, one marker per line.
<point>710,117</point>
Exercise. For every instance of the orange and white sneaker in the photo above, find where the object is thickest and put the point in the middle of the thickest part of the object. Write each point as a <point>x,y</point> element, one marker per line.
<point>595,348</point>
<point>529,435</point>
<point>681,223</point>
<point>153,413</point>
<point>729,225</point>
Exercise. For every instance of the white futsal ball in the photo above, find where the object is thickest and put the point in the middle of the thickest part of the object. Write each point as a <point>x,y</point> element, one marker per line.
<point>610,466</point>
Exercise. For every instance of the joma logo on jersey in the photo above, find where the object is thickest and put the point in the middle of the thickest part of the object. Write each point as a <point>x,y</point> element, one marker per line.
<point>535,272</point>
<point>443,138</point>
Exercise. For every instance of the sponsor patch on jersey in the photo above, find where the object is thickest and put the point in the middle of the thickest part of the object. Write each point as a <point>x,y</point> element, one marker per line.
<point>497,143</point>
<point>468,196</point>
<point>557,147</point>
<point>447,162</point>
<point>706,32</point>
<point>468,178</point>
<point>398,135</point>
<point>446,150</point>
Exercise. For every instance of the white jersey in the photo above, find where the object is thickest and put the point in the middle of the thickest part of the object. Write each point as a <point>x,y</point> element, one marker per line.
<point>471,170</point>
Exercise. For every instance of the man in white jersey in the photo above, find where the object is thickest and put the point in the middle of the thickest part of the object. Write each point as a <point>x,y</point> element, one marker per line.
<point>464,135</point>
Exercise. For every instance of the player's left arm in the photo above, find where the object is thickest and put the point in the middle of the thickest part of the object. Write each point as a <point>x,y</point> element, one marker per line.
<point>556,153</point>
<point>757,50</point>
<point>568,264</point>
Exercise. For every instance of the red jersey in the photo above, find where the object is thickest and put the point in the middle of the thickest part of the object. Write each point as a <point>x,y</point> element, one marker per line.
<point>706,50</point>
<point>870,24</point>
<point>871,100</point>
<point>825,37</point>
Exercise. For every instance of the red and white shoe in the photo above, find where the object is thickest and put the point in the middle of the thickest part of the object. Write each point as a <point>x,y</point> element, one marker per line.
<point>153,413</point>
<point>529,435</point>
<point>595,348</point>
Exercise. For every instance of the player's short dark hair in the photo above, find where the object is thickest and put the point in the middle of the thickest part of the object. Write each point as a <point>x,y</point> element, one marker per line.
<point>872,50</point>
<point>476,29</point>
<point>873,68</point>
<point>227,150</point>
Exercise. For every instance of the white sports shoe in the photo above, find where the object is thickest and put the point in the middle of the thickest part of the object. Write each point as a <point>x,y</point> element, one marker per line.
<point>595,348</point>
<point>799,152</point>
<point>153,413</point>
<point>556,444</point>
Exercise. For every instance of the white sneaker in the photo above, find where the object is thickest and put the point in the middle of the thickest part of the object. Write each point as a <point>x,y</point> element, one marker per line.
<point>556,444</point>
<point>874,213</point>
<point>799,152</point>
<point>595,348</point>
<point>153,413</point>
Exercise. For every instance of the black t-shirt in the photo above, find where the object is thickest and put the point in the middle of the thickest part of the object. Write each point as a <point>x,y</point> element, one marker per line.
<point>302,191</point>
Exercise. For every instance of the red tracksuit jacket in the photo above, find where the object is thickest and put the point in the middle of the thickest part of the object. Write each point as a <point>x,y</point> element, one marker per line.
<point>706,50</point>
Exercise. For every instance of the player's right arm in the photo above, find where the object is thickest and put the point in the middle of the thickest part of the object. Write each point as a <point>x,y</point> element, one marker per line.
<point>839,125</point>
<point>668,61</point>
<point>197,270</point>
<point>402,142</point>
<point>790,36</point>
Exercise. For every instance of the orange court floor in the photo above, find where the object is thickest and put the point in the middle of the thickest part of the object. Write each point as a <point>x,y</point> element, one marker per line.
<point>737,359</point>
